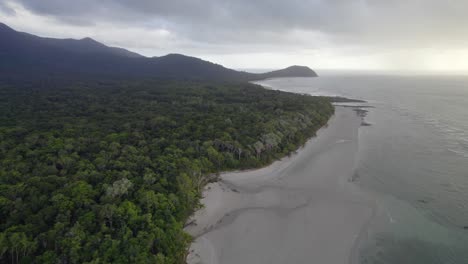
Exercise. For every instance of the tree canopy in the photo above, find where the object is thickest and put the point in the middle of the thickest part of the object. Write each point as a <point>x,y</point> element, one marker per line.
<point>108,172</point>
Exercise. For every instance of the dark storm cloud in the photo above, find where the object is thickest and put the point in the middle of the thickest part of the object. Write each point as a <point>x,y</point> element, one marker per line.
<point>246,14</point>
<point>407,22</point>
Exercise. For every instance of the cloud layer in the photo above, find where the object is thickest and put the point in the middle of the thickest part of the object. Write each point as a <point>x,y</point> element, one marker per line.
<point>370,30</point>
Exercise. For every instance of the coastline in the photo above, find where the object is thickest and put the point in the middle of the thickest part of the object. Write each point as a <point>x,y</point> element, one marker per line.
<point>300,208</point>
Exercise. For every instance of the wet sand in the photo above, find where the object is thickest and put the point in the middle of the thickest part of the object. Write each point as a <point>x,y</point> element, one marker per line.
<point>302,209</point>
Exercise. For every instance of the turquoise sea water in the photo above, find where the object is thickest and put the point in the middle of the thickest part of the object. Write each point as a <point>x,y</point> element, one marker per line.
<point>413,158</point>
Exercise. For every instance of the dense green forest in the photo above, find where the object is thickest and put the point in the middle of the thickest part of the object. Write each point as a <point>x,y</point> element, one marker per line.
<point>109,172</point>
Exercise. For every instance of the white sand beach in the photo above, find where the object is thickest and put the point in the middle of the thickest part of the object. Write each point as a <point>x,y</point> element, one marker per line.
<point>301,209</point>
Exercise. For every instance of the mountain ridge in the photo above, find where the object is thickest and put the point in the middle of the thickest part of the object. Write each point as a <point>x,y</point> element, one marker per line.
<point>24,55</point>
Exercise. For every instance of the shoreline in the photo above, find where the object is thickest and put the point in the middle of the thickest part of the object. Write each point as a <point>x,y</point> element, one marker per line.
<point>221,183</point>
<point>300,208</point>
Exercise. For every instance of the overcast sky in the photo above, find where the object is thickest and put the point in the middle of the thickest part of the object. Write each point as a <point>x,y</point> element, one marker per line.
<point>323,34</point>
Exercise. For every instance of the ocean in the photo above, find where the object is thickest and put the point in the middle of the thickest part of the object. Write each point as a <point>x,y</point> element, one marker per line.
<point>413,158</point>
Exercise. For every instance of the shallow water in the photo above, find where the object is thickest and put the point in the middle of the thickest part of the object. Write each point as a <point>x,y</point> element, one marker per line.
<point>413,157</point>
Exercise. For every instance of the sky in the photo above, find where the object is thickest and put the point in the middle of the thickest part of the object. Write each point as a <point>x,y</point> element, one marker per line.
<point>381,35</point>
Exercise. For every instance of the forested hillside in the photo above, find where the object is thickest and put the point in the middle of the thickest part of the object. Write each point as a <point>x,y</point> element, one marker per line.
<point>108,172</point>
<point>28,57</point>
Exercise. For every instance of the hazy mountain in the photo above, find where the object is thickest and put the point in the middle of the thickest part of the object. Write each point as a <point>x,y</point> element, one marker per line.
<point>88,45</point>
<point>24,55</point>
<point>292,71</point>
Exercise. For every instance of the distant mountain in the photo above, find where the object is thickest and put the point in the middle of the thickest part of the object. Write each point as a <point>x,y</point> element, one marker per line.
<point>24,41</point>
<point>293,71</point>
<point>88,46</point>
<point>23,55</point>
